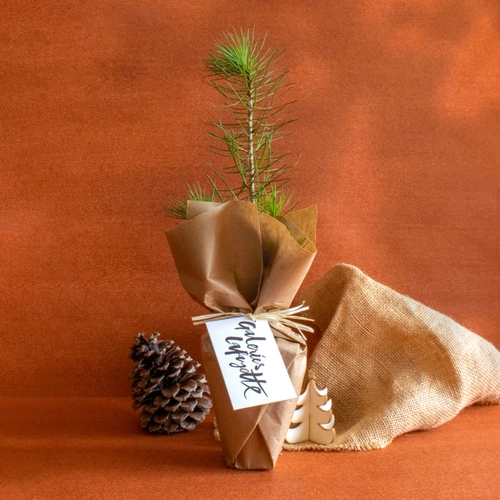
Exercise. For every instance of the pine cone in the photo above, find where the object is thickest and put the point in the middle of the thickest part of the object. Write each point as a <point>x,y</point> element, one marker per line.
<point>165,383</point>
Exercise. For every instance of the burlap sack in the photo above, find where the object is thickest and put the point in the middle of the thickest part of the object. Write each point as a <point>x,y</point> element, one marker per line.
<point>391,364</point>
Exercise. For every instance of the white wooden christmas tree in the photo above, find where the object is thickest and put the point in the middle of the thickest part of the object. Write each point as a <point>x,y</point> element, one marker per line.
<point>313,417</point>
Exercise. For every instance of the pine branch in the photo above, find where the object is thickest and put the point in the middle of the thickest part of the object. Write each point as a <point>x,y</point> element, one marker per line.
<point>251,88</point>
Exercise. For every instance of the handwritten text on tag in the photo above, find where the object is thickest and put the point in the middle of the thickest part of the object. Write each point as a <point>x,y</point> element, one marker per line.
<point>250,362</point>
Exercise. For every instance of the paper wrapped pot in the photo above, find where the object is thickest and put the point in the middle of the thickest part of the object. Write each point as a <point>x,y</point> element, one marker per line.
<point>230,257</point>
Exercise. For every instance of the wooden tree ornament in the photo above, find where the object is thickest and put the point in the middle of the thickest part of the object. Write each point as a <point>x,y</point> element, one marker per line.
<point>313,419</point>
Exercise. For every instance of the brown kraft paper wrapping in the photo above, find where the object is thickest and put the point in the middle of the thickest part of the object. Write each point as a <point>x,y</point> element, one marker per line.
<point>230,257</point>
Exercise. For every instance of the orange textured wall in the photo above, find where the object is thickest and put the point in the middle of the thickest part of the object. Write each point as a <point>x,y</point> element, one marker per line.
<point>102,107</point>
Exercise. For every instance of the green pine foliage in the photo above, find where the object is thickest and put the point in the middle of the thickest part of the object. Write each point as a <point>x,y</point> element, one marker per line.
<point>251,88</point>
<point>178,209</point>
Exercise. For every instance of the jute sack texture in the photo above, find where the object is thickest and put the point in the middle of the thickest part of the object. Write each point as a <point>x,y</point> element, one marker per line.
<point>391,364</point>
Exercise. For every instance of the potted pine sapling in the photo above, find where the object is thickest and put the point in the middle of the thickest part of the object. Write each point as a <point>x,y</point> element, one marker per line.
<point>242,251</point>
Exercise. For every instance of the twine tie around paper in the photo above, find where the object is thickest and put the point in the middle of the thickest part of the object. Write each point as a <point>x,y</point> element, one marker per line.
<point>288,317</point>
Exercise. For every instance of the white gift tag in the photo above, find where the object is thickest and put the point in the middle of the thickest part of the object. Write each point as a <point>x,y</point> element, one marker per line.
<point>250,362</point>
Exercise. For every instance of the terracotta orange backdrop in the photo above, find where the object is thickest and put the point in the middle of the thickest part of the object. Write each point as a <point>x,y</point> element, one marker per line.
<point>102,106</point>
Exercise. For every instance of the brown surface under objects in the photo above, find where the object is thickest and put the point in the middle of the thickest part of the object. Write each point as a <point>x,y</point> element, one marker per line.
<point>87,448</point>
<point>103,114</point>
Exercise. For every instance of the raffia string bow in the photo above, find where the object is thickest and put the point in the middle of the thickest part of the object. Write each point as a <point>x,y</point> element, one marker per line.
<point>287,317</point>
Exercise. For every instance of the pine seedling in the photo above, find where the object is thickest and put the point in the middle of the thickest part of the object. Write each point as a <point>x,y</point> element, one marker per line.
<point>251,86</point>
